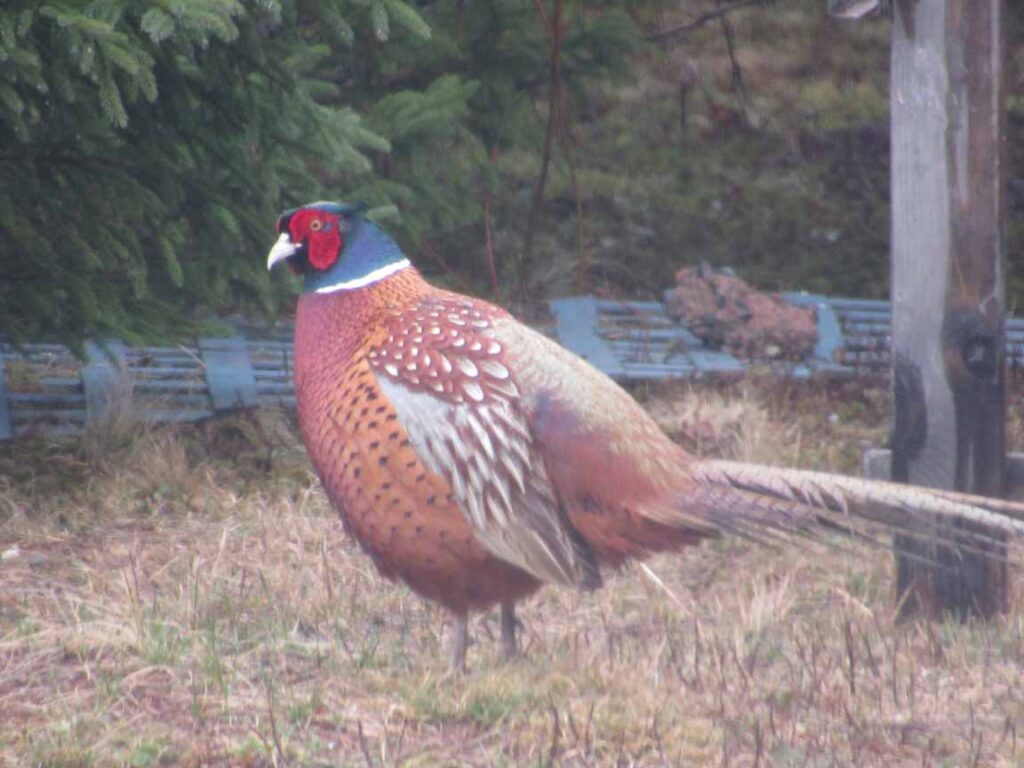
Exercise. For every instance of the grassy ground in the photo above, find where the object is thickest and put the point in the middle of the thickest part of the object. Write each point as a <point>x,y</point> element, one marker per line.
<point>188,598</point>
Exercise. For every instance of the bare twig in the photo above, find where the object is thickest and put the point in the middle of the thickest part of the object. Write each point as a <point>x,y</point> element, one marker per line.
<point>539,5</point>
<point>738,86</point>
<point>281,758</point>
<point>554,28</point>
<point>362,744</point>
<point>568,145</point>
<point>427,249</point>
<point>675,34</point>
<point>490,246</point>
<point>556,733</point>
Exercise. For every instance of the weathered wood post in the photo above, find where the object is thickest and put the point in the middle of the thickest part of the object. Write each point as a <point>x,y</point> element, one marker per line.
<point>947,285</point>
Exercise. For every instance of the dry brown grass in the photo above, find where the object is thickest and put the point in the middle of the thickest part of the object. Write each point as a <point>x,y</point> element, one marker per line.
<point>177,602</point>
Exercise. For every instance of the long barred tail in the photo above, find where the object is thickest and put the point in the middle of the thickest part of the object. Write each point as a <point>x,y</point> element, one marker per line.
<point>752,499</point>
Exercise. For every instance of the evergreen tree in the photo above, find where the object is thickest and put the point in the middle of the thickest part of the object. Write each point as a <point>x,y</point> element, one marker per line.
<point>145,148</point>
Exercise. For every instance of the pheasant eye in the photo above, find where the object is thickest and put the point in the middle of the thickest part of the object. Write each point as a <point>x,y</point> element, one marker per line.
<point>316,225</point>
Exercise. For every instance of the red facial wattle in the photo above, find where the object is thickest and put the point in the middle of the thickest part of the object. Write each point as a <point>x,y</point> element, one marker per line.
<point>321,232</point>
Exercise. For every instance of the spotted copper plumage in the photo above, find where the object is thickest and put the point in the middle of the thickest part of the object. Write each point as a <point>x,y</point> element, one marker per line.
<point>445,347</point>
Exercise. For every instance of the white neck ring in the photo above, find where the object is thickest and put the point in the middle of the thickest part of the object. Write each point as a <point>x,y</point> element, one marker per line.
<point>371,277</point>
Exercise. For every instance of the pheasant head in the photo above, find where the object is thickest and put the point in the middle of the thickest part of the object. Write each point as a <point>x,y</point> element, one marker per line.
<point>334,247</point>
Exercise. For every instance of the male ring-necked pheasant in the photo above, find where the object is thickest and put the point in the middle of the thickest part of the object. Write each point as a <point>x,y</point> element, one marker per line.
<point>475,459</point>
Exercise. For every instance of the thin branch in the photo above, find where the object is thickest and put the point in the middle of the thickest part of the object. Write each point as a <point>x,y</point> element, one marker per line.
<point>738,86</point>
<point>539,4</point>
<point>428,251</point>
<point>362,744</point>
<point>568,144</point>
<point>281,759</point>
<point>674,34</point>
<point>490,247</point>
<point>554,26</point>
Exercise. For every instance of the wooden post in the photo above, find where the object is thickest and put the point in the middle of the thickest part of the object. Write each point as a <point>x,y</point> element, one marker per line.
<point>947,290</point>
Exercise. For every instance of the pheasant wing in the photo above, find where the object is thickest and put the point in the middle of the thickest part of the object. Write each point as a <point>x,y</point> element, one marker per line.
<point>601,448</point>
<point>442,368</point>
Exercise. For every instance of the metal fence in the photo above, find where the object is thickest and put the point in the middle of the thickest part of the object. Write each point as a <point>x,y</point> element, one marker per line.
<point>637,340</point>
<point>44,388</point>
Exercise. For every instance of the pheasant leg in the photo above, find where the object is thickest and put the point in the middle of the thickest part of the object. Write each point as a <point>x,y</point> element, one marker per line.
<point>459,640</point>
<point>509,649</point>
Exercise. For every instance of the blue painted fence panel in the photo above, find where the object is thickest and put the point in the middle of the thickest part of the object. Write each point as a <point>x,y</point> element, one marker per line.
<point>229,373</point>
<point>639,341</point>
<point>576,321</point>
<point>627,340</point>
<point>103,379</point>
<point>830,334</point>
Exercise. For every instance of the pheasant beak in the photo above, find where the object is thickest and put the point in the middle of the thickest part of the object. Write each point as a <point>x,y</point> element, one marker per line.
<point>283,249</point>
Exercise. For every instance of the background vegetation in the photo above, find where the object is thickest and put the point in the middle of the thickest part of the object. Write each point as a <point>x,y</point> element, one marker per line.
<point>517,148</point>
<point>146,149</point>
